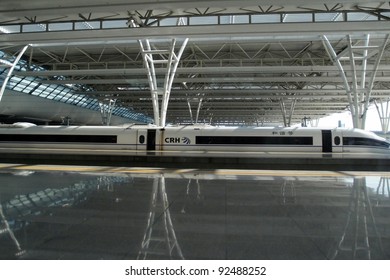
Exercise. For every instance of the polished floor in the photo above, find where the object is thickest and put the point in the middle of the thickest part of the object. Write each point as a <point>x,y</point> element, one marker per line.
<point>83,212</point>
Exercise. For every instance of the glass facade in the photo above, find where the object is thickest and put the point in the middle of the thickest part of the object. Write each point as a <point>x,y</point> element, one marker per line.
<point>62,93</point>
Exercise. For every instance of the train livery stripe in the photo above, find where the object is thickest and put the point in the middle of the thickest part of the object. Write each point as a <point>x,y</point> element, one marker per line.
<point>362,141</point>
<point>58,138</point>
<point>254,140</point>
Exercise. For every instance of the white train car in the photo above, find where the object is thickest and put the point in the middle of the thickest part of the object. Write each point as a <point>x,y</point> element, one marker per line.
<point>239,139</point>
<point>193,138</point>
<point>67,137</point>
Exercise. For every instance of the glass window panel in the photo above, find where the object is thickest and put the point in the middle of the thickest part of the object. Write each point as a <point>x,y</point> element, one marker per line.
<point>328,17</point>
<point>62,26</point>
<point>272,18</point>
<point>241,19</point>
<point>226,19</point>
<point>59,96</point>
<point>386,14</point>
<point>234,19</point>
<point>115,24</point>
<point>15,79</point>
<point>83,99</point>
<point>63,97</point>
<point>10,28</point>
<point>360,17</point>
<point>204,20</point>
<point>306,17</point>
<point>29,88</point>
<point>81,103</point>
<point>95,106</point>
<point>39,90</point>
<point>54,93</point>
<point>26,81</point>
<point>76,99</point>
<point>87,25</point>
<point>168,22</point>
<point>69,100</point>
<point>18,87</point>
<point>44,94</point>
<point>33,28</point>
<point>50,88</point>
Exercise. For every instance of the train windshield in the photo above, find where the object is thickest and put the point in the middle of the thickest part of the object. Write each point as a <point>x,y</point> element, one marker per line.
<point>361,141</point>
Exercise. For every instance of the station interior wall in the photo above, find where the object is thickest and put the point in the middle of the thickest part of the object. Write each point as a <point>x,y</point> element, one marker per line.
<point>42,110</point>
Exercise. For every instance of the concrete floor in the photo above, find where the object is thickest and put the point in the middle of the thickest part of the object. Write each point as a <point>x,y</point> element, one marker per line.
<point>111,213</point>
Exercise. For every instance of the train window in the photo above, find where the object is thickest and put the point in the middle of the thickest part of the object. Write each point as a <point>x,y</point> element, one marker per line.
<point>253,140</point>
<point>142,139</point>
<point>360,141</point>
<point>337,140</point>
<point>61,138</point>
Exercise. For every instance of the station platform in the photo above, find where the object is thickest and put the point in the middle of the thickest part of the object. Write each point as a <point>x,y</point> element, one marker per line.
<point>69,212</point>
<point>242,160</point>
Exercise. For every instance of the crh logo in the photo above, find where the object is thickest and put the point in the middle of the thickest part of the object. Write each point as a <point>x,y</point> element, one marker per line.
<point>186,140</point>
<point>177,140</point>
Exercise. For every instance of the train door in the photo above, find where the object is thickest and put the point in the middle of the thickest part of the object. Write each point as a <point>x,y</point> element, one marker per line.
<point>337,141</point>
<point>142,137</point>
<point>326,141</point>
<point>146,140</point>
<point>151,141</point>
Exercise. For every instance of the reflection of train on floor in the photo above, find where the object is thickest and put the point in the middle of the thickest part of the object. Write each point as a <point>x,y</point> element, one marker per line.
<point>192,138</point>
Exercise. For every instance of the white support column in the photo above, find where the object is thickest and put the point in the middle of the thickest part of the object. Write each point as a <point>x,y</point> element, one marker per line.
<point>259,119</point>
<point>106,109</point>
<point>11,70</point>
<point>360,230</point>
<point>199,102</point>
<point>160,237</point>
<point>194,195</point>
<point>173,62</point>
<point>147,55</point>
<point>190,110</point>
<point>5,228</point>
<point>287,113</point>
<point>171,65</point>
<point>332,54</point>
<point>171,59</point>
<point>314,122</point>
<point>383,109</point>
<point>383,189</point>
<point>372,77</point>
<point>354,87</point>
<point>358,93</point>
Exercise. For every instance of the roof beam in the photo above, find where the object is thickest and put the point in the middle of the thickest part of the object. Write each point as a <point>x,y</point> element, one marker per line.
<point>245,92</point>
<point>221,80</point>
<point>189,70</point>
<point>278,31</point>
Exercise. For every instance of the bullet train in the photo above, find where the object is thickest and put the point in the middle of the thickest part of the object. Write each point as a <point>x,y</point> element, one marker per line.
<point>192,138</point>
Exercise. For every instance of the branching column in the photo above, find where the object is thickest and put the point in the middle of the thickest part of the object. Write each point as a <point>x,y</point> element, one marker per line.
<point>11,70</point>
<point>358,91</point>
<point>171,60</point>
<point>159,238</point>
<point>287,111</point>
<point>383,109</point>
<point>106,109</point>
<point>360,235</point>
<point>199,101</point>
